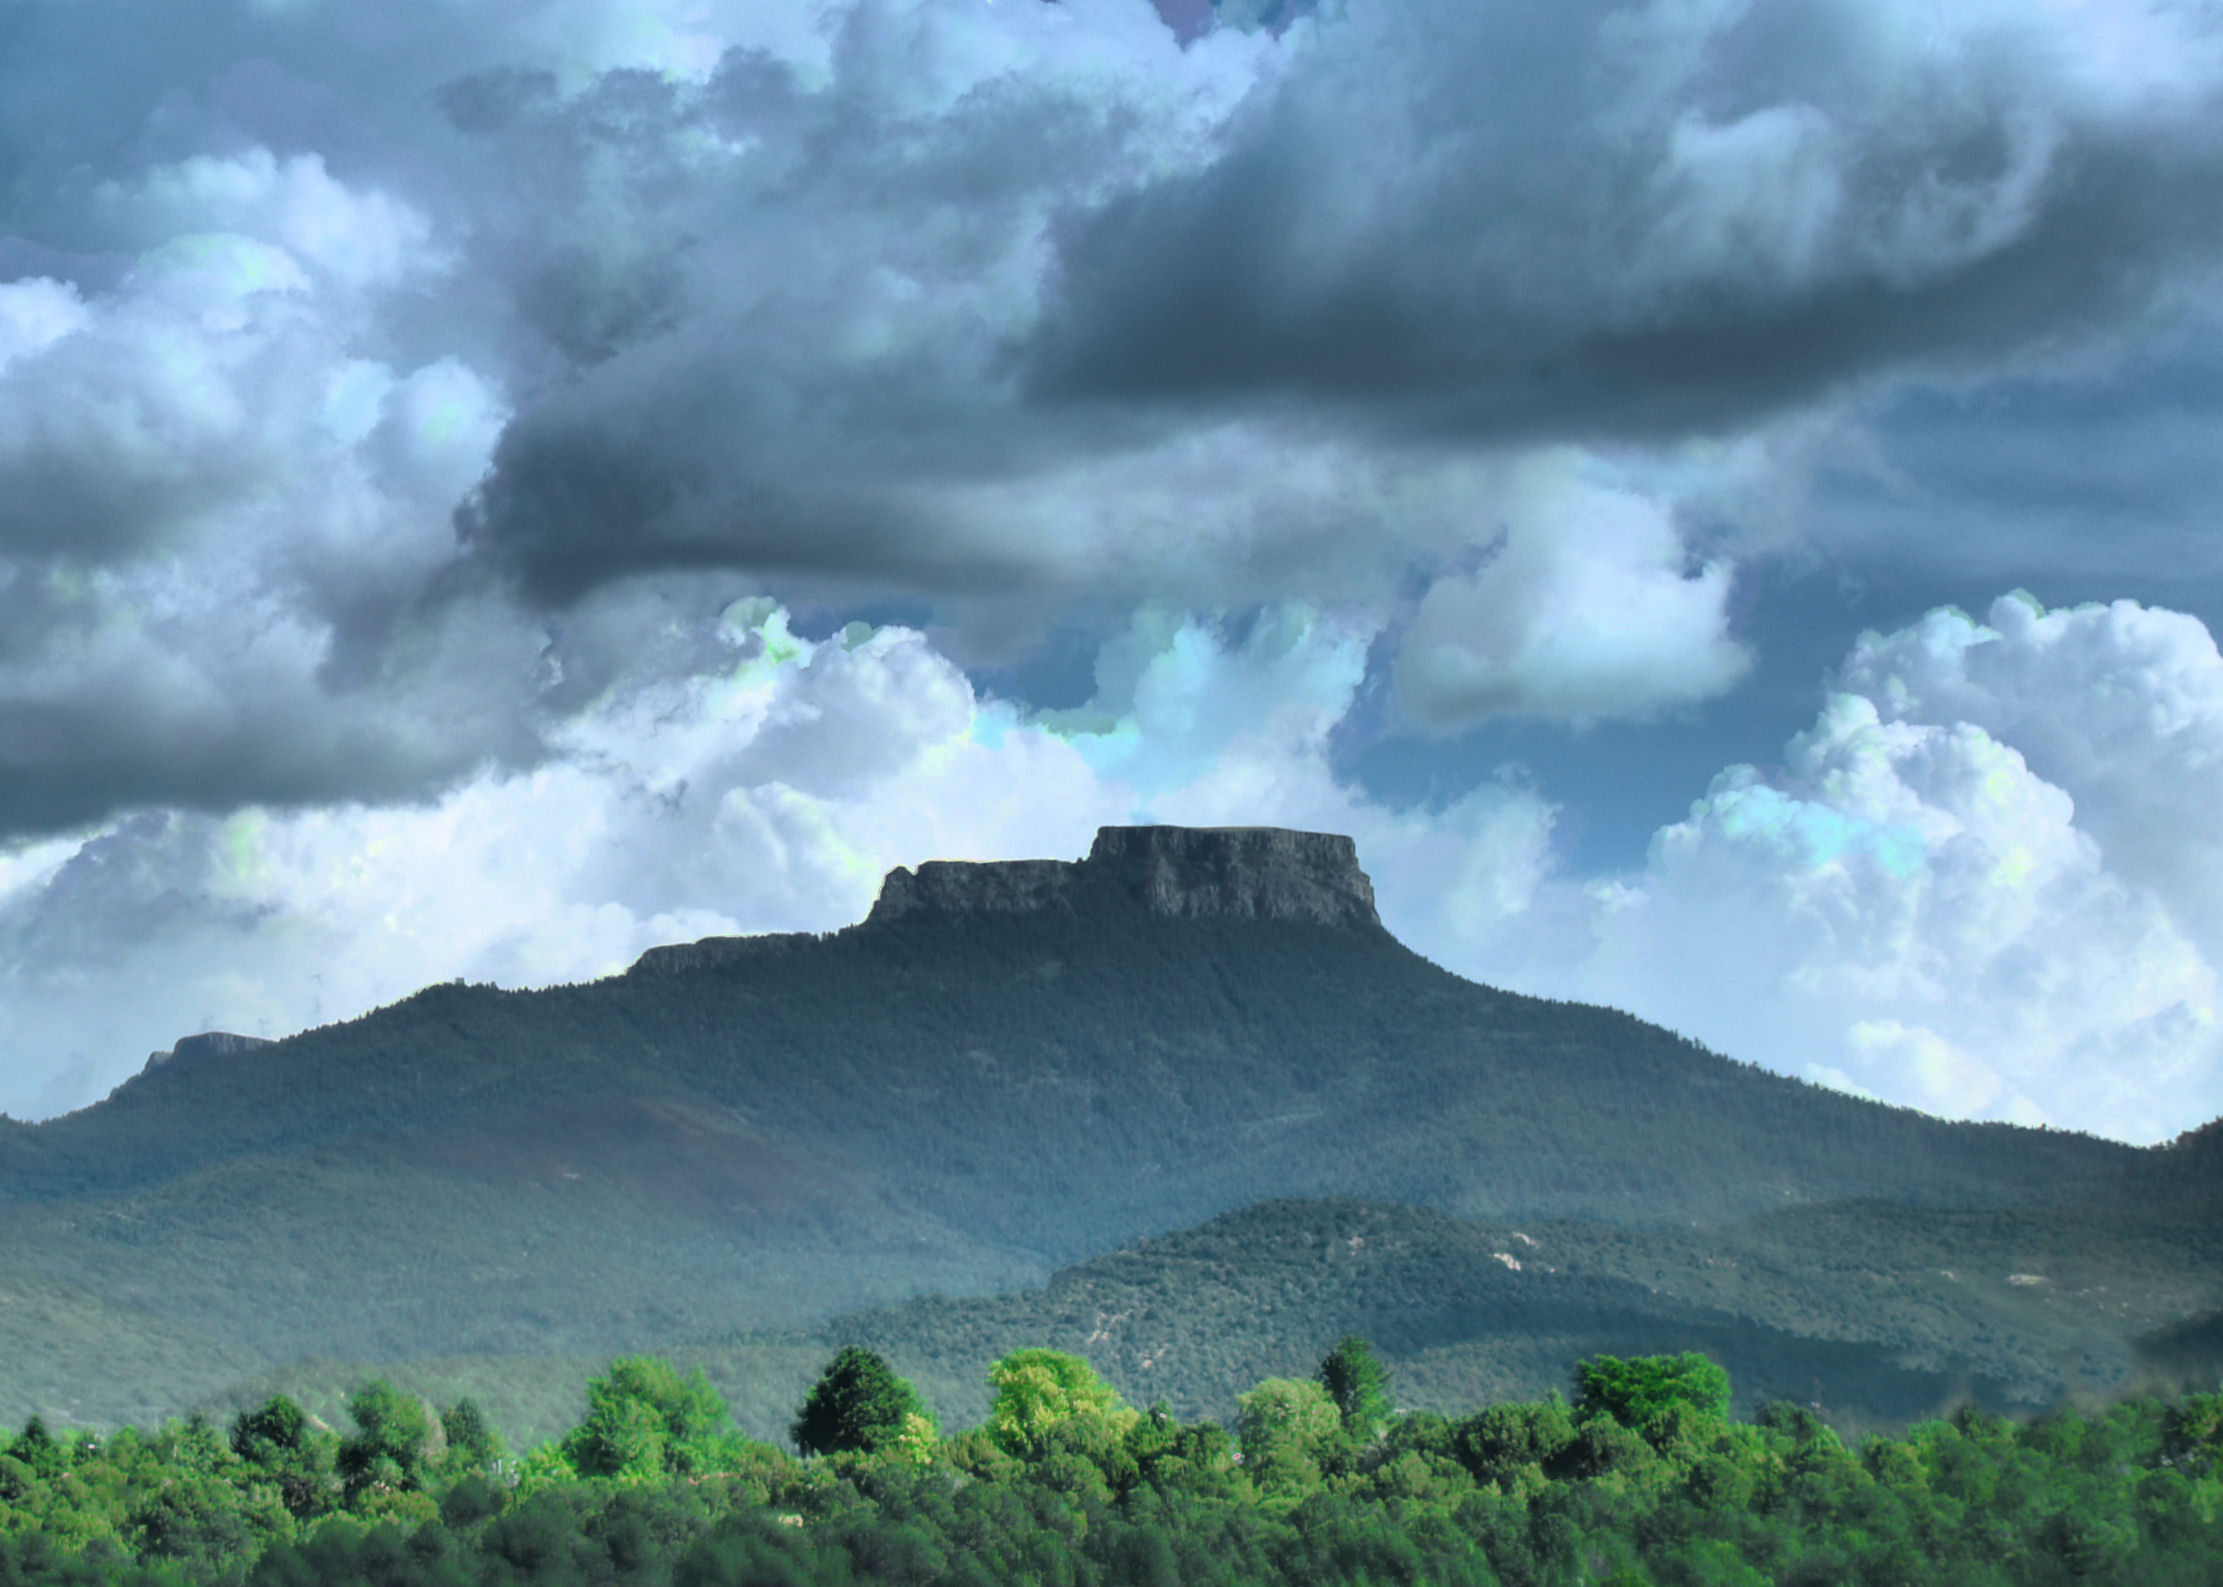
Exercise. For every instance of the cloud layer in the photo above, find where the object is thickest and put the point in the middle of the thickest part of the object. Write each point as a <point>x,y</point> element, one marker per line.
<point>395,402</point>
<point>1604,219</point>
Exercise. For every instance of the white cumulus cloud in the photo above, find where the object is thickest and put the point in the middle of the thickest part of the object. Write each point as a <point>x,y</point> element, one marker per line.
<point>1586,608</point>
<point>1913,907</point>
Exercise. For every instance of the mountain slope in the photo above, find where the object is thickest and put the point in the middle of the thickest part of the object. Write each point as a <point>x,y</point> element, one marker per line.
<point>1006,1068</point>
<point>1880,1314</point>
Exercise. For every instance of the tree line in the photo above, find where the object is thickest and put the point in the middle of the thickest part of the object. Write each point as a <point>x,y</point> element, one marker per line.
<point>1642,1477</point>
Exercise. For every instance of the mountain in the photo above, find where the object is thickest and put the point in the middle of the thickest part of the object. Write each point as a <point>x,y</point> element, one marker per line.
<point>1004,1069</point>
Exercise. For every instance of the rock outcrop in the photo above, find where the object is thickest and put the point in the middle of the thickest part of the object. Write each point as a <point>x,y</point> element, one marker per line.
<point>1241,873</point>
<point>1192,873</point>
<point>208,1044</point>
<point>676,957</point>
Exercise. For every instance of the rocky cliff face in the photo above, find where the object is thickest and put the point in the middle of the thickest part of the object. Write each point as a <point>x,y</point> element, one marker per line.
<point>677,957</point>
<point>1243,873</point>
<point>208,1044</point>
<point>1238,873</point>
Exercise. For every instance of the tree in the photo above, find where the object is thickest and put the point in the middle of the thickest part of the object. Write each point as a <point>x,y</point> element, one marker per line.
<point>2192,1435</point>
<point>472,1440</point>
<point>396,1438</point>
<point>37,1449</point>
<point>1502,1444</point>
<point>1286,1425</point>
<point>280,1440</point>
<point>264,1435</point>
<point>1358,1385</point>
<point>1038,1391</point>
<point>645,1422</point>
<point>1635,1391</point>
<point>858,1403</point>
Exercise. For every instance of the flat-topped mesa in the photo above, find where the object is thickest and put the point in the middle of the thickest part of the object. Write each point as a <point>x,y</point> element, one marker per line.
<point>1241,873</point>
<point>207,1044</point>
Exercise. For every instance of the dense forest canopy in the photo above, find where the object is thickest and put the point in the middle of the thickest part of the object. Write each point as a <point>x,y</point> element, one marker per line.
<point>1643,1478</point>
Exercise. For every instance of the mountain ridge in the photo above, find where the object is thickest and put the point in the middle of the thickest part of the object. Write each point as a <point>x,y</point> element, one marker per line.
<point>1011,1072</point>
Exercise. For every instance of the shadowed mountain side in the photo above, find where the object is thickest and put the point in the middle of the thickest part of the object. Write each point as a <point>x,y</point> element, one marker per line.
<point>1882,1313</point>
<point>1068,1081</point>
<point>564,1230</point>
<point>2183,1357</point>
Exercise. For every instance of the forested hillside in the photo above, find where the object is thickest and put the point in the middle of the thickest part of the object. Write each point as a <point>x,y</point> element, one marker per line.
<point>1063,1081</point>
<point>946,1099</point>
<point>1877,1314</point>
<point>1849,1308</point>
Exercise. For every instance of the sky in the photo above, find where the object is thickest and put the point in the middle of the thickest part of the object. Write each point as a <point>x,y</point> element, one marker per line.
<point>1718,497</point>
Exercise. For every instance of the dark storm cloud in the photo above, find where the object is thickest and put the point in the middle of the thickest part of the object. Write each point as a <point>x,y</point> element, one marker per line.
<point>1433,222</point>
<point>776,366</point>
<point>1584,220</point>
<point>974,307</point>
<point>208,708</point>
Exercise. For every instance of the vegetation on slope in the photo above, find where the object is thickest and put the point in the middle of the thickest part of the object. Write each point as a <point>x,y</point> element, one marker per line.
<point>954,1104</point>
<point>1880,1313</point>
<point>988,1067</point>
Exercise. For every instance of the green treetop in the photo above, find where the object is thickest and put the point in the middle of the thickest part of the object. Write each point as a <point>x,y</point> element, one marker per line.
<point>1286,1425</point>
<point>1635,1392</point>
<point>645,1422</point>
<point>1358,1385</point>
<point>858,1403</point>
<point>396,1439</point>
<point>1038,1391</point>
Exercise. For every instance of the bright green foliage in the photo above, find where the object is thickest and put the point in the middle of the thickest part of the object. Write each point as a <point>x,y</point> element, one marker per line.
<point>645,1422</point>
<point>2123,1498</point>
<point>1635,1391</point>
<point>1286,1426</point>
<point>1038,1391</point>
<point>858,1403</point>
<point>1359,1386</point>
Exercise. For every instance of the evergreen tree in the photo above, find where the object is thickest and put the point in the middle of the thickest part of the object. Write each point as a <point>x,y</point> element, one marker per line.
<point>858,1403</point>
<point>1359,1385</point>
<point>472,1439</point>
